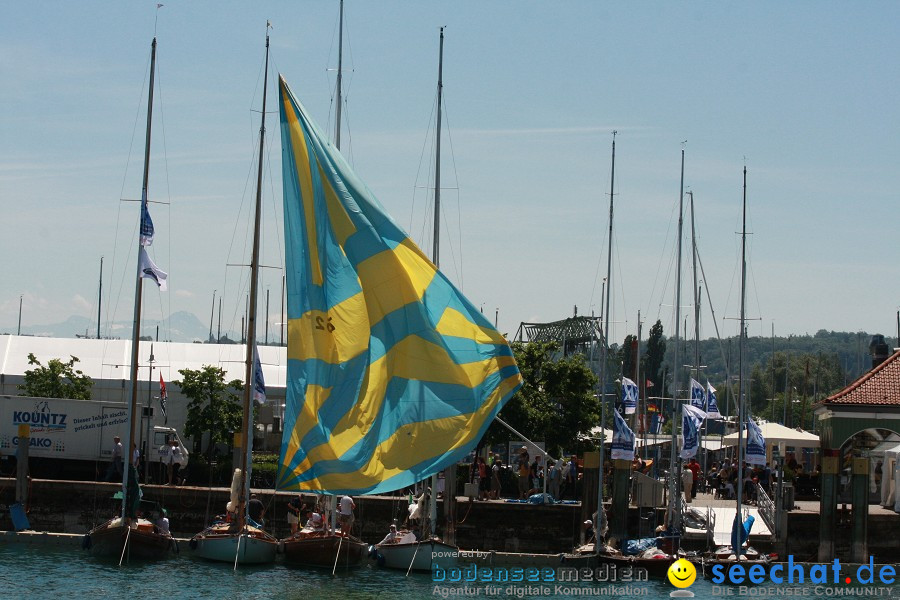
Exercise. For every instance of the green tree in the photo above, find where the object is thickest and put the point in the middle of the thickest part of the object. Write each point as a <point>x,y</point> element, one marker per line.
<point>556,401</point>
<point>627,356</point>
<point>57,380</point>
<point>214,405</point>
<point>653,359</point>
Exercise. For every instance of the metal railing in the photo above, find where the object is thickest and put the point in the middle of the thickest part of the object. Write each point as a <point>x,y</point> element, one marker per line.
<point>766,508</point>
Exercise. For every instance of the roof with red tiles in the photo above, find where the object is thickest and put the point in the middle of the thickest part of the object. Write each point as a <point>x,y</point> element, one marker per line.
<point>879,386</point>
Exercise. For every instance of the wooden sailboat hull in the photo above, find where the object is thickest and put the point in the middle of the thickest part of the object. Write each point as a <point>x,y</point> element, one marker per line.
<point>321,550</point>
<point>587,557</point>
<point>108,540</point>
<point>252,547</point>
<point>418,555</point>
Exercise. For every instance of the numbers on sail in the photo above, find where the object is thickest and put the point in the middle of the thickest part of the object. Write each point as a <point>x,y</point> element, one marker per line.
<point>324,325</point>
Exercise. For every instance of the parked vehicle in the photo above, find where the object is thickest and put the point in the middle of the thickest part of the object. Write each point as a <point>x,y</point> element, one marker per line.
<point>71,439</point>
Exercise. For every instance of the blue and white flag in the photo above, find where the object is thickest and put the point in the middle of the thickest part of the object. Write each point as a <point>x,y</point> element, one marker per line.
<point>755,453</point>
<point>698,395</point>
<point>259,384</point>
<point>629,395</point>
<point>623,439</point>
<point>151,271</point>
<point>712,408</point>
<point>656,423</point>
<point>146,223</point>
<point>691,420</point>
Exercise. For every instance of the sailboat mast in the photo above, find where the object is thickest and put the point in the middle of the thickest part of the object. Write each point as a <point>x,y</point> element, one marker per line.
<point>136,326</point>
<point>100,297</point>
<point>246,421</point>
<point>337,120</point>
<point>604,343</point>
<point>437,156</point>
<point>742,339</point>
<point>696,310</point>
<point>674,508</point>
<point>435,258</point>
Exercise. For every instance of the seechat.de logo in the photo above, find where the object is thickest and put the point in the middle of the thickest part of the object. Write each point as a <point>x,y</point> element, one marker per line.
<point>682,575</point>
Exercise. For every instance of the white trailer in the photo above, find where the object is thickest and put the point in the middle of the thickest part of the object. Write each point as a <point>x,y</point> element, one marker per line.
<point>64,431</point>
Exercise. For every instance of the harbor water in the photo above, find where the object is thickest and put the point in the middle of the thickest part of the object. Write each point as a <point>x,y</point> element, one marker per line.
<point>34,571</point>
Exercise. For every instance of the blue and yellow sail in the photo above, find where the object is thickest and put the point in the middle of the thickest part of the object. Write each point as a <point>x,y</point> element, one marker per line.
<point>392,374</point>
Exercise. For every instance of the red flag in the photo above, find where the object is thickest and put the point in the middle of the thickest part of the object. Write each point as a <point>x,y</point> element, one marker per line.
<point>648,384</point>
<point>162,397</point>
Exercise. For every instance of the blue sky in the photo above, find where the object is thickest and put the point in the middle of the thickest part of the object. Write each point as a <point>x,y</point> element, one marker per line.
<point>806,93</point>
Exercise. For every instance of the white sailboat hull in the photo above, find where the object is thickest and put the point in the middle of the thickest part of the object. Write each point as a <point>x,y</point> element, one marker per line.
<point>420,555</point>
<point>224,548</point>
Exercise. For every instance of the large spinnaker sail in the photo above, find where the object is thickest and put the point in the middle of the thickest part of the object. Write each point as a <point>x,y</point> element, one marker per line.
<point>392,373</point>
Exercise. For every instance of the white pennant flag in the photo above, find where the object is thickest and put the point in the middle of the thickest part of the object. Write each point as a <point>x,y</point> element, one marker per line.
<point>151,271</point>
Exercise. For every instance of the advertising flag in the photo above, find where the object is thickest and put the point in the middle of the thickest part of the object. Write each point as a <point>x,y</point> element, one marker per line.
<point>623,439</point>
<point>629,395</point>
<point>691,419</point>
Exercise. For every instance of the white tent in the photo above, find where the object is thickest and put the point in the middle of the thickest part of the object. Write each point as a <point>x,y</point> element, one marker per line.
<point>776,435</point>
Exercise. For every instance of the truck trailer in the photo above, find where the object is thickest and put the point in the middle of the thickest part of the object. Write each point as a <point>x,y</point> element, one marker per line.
<point>72,439</point>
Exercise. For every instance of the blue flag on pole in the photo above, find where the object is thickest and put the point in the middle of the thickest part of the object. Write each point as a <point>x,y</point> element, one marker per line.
<point>698,395</point>
<point>146,223</point>
<point>259,384</point>
<point>712,408</point>
<point>629,395</point>
<point>691,419</point>
<point>623,439</point>
<point>755,453</point>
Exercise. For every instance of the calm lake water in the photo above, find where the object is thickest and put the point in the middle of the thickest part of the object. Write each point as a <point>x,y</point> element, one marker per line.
<point>35,572</point>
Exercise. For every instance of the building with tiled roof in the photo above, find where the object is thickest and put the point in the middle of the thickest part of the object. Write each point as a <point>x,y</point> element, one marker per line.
<point>879,386</point>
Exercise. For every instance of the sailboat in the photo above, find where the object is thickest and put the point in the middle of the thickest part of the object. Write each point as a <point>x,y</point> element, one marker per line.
<point>241,541</point>
<point>326,546</point>
<point>727,555</point>
<point>392,373</point>
<point>131,533</point>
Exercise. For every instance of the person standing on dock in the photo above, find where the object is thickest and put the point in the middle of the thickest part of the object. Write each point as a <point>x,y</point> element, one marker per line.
<point>114,473</point>
<point>293,512</point>
<point>687,482</point>
<point>345,514</point>
<point>524,470</point>
<point>175,460</point>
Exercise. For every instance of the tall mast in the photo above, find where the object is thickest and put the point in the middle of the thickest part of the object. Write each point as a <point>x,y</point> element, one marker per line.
<point>337,120</point>
<point>696,309</point>
<point>99,297</point>
<point>437,157</point>
<point>136,326</point>
<point>604,318</point>
<point>674,508</point>
<point>742,339</point>
<point>251,311</point>
<point>436,255</point>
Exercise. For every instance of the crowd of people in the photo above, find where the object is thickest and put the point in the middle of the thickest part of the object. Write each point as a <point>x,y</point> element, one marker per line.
<point>524,476</point>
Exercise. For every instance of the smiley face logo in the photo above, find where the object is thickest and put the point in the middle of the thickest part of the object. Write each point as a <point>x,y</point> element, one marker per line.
<point>682,573</point>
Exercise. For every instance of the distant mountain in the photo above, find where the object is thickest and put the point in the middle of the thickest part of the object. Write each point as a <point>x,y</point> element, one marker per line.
<point>179,327</point>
